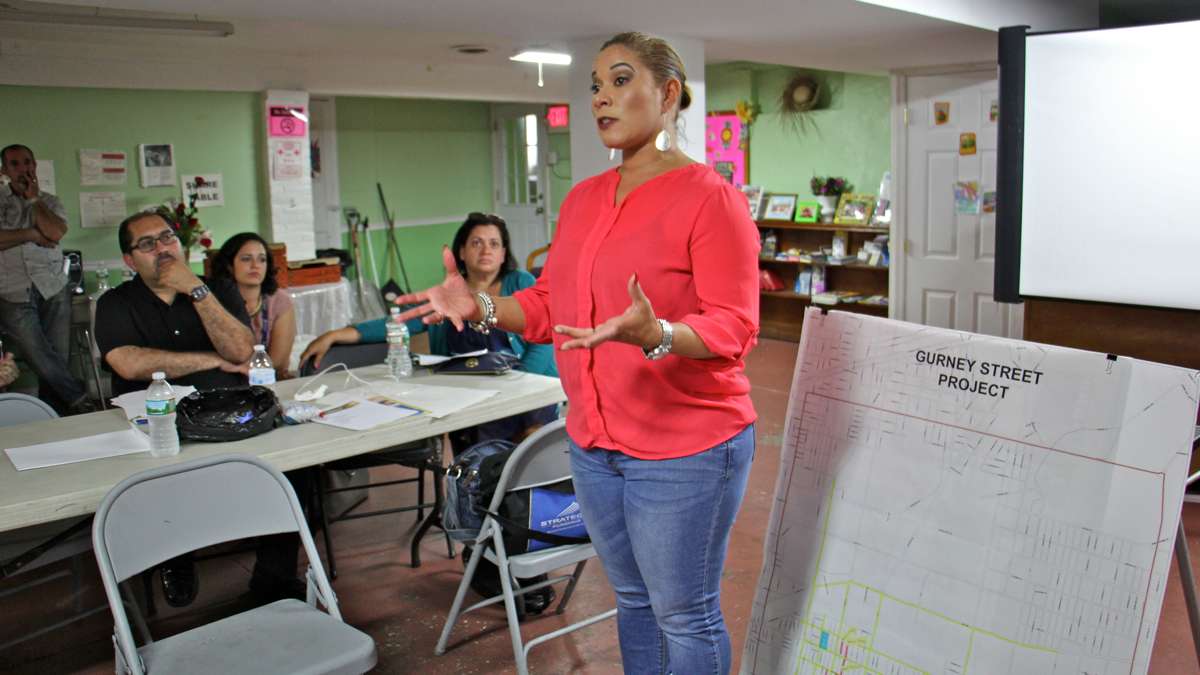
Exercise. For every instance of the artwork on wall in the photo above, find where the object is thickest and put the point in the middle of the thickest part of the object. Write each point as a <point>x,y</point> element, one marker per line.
<point>156,164</point>
<point>726,147</point>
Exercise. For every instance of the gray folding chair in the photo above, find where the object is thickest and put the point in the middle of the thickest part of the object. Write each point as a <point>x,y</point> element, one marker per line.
<point>30,548</point>
<point>541,459</point>
<point>161,513</point>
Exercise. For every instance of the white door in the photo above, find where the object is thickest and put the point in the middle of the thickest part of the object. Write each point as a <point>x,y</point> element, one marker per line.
<point>327,210</point>
<point>946,254</point>
<point>521,193</point>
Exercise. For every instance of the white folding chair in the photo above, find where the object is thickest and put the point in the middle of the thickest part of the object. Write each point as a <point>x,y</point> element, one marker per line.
<point>161,513</point>
<point>541,459</point>
<point>30,548</point>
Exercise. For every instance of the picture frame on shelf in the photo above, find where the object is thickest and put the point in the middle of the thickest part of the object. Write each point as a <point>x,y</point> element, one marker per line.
<point>754,195</point>
<point>779,206</point>
<point>854,209</point>
<point>807,211</point>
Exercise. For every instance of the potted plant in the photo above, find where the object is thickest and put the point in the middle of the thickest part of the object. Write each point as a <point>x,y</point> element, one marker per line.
<point>187,227</point>
<point>827,190</point>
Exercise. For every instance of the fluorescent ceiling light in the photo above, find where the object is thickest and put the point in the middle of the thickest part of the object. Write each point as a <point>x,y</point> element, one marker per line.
<point>93,19</point>
<point>542,57</point>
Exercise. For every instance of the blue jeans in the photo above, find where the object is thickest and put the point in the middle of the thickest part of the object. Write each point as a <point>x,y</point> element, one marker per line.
<point>661,529</point>
<point>40,330</point>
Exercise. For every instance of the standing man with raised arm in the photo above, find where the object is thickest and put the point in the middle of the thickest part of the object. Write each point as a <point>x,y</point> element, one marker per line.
<point>35,306</point>
<point>166,318</point>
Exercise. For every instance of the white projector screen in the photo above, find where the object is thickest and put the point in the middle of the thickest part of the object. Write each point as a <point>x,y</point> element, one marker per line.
<point>1111,183</point>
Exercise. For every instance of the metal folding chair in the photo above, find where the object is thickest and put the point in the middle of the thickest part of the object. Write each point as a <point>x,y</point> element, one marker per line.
<point>158,514</point>
<point>541,459</point>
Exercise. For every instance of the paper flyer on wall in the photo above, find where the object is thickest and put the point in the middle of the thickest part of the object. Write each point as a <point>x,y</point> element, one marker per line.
<point>102,167</point>
<point>156,164</point>
<point>208,189</point>
<point>101,209</point>
<point>957,503</point>
<point>47,181</point>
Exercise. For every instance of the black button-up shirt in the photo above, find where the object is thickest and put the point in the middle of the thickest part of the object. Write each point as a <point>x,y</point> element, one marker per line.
<point>132,315</point>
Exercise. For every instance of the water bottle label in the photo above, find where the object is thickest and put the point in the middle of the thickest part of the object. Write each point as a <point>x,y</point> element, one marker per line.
<point>160,407</point>
<point>262,376</point>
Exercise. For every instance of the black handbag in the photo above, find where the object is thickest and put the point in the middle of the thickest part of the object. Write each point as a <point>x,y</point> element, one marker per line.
<point>219,415</point>
<point>491,363</point>
<point>531,519</point>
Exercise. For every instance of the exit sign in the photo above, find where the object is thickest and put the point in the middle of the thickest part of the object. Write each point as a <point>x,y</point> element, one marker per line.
<point>558,116</point>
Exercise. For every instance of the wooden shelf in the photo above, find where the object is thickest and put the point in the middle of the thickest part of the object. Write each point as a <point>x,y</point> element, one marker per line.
<point>852,266</point>
<point>819,227</point>
<point>790,295</point>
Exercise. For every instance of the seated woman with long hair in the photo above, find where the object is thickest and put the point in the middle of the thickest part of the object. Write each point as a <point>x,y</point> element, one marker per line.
<point>246,260</point>
<point>481,250</point>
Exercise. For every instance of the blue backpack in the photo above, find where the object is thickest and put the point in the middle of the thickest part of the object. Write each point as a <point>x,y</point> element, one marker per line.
<point>532,519</point>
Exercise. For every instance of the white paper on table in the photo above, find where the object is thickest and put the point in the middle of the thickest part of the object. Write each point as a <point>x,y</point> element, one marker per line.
<point>434,359</point>
<point>102,167</point>
<point>359,414</point>
<point>134,402</point>
<point>433,400</point>
<point>101,209</point>
<point>111,444</point>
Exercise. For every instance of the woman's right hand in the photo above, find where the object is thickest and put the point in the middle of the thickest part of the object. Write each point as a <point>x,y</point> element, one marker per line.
<point>452,299</point>
<point>317,348</point>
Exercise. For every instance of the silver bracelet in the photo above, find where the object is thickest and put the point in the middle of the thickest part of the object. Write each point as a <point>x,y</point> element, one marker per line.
<point>485,323</point>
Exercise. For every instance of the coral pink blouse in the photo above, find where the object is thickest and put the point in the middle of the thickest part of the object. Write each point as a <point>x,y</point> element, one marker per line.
<point>688,235</point>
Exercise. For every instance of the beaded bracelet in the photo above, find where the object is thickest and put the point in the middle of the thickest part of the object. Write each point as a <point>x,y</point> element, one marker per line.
<point>488,307</point>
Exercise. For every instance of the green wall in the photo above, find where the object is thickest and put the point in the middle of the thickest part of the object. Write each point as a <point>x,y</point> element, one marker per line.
<point>433,158</point>
<point>849,136</point>
<point>214,132</point>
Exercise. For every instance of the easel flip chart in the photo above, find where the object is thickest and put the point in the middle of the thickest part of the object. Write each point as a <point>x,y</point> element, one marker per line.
<point>957,503</point>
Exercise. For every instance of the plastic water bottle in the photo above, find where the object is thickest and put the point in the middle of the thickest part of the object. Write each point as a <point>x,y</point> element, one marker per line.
<point>262,371</point>
<point>398,359</point>
<point>160,413</point>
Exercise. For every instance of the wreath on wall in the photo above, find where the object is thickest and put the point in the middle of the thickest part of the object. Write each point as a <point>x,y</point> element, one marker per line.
<point>798,98</point>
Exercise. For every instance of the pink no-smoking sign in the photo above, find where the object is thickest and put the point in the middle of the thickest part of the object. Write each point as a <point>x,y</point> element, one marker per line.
<point>287,120</point>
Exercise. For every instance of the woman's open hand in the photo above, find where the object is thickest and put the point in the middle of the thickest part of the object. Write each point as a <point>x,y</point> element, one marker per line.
<point>637,325</point>
<point>451,299</point>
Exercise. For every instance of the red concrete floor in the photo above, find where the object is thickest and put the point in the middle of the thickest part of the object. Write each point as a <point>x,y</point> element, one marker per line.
<point>403,608</point>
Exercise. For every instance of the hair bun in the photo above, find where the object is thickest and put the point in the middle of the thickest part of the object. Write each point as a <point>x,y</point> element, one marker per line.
<point>685,98</point>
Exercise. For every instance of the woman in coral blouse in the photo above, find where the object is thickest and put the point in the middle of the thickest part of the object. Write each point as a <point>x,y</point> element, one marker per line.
<point>650,296</point>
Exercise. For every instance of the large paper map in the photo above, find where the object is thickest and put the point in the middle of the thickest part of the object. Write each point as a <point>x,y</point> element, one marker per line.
<point>958,504</point>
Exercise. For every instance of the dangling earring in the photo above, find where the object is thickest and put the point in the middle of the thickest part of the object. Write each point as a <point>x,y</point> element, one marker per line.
<point>662,141</point>
<point>612,154</point>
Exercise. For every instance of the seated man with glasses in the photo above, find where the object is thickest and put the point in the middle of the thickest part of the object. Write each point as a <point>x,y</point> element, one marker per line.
<point>167,319</point>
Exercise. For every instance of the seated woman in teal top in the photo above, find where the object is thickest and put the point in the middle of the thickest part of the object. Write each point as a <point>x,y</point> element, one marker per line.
<point>481,248</point>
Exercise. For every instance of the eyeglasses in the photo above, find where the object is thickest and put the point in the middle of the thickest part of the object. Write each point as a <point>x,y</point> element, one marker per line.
<point>148,244</point>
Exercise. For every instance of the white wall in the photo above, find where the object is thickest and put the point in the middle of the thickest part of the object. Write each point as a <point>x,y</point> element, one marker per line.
<point>993,15</point>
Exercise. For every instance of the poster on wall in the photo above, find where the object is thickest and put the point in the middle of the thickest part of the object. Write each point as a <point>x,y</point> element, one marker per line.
<point>287,121</point>
<point>287,162</point>
<point>102,167</point>
<point>156,164</point>
<point>726,148</point>
<point>45,176</point>
<point>101,209</point>
<point>207,188</point>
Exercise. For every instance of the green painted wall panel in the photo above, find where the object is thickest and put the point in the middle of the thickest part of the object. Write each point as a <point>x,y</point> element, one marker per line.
<point>849,137</point>
<point>216,132</point>
<point>433,159</point>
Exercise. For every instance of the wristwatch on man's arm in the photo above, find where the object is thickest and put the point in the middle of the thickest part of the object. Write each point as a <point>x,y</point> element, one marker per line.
<point>199,293</point>
<point>664,347</point>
